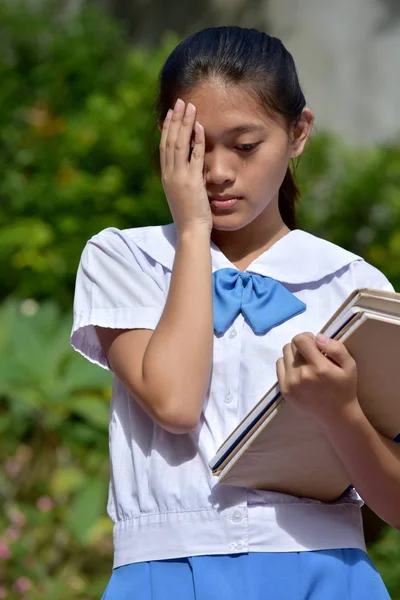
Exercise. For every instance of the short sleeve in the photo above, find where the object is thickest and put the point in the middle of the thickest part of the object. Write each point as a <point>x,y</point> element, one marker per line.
<point>365,275</point>
<point>117,286</point>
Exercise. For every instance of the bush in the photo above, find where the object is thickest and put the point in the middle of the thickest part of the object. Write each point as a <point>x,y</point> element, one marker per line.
<point>77,131</point>
<point>55,539</point>
<point>352,197</point>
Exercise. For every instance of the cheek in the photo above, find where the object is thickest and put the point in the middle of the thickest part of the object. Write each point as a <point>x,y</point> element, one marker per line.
<point>268,167</point>
<point>276,153</point>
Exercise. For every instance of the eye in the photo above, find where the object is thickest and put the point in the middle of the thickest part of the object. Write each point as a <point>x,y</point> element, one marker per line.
<point>246,147</point>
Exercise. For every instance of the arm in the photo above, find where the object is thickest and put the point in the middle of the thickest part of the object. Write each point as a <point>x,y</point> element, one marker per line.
<point>320,376</point>
<point>168,370</point>
<point>371,460</point>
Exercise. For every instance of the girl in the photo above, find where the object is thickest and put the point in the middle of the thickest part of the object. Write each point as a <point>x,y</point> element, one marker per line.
<point>196,318</point>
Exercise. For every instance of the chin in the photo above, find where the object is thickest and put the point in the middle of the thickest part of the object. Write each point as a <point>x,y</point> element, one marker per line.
<point>229,223</point>
<point>218,226</point>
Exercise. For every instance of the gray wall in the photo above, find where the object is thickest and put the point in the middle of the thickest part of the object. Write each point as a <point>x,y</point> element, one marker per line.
<point>348,55</point>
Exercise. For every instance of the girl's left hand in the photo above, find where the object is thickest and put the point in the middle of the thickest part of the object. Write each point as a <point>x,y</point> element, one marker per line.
<point>319,376</point>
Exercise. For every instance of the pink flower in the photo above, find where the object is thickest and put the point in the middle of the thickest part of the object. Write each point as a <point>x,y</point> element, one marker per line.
<point>3,592</point>
<point>12,467</point>
<point>22,585</point>
<point>5,551</point>
<point>18,517</point>
<point>45,504</point>
<point>13,533</point>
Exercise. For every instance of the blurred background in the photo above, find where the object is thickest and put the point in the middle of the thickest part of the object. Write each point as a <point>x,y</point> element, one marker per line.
<point>77,136</point>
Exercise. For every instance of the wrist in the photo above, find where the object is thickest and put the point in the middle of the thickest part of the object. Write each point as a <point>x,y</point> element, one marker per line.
<point>194,232</point>
<point>350,415</point>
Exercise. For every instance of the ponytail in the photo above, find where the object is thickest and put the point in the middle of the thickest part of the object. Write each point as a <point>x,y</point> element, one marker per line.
<point>288,195</point>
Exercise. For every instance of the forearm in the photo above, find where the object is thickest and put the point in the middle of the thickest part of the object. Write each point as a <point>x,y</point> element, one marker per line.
<point>178,359</point>
<point>372,462</point>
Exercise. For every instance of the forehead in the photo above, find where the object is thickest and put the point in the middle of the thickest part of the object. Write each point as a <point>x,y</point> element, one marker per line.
<point>222,107</point>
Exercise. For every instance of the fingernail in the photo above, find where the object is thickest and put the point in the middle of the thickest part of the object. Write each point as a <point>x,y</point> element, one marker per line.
<point>322,339</point>
<point>179,104</point>
<point>169,113</point>
<point>190,109</point>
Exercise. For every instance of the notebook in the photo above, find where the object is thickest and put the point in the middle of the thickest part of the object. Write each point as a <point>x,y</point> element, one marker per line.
<point>278,447</point>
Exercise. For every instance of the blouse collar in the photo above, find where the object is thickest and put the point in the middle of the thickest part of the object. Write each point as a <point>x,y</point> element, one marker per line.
<point>298,257</point>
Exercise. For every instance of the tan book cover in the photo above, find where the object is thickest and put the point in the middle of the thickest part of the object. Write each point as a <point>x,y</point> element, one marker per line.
<point>286,450</point>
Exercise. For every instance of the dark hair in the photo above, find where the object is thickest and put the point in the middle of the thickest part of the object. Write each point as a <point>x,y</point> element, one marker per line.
<point>238,56</point>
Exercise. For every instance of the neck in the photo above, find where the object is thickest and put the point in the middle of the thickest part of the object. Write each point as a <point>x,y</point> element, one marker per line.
<point>244,245</point>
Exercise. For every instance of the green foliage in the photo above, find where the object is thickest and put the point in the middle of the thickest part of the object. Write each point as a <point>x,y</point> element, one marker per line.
<point>352,197</point>
<point>54,409</point>
<point>386,555</point>
<point>77,140</point>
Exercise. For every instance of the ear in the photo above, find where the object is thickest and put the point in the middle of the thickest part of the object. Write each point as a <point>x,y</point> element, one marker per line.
<point>300,132</point>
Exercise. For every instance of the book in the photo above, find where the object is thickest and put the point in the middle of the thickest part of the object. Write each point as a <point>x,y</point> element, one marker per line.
<point>279,447</point>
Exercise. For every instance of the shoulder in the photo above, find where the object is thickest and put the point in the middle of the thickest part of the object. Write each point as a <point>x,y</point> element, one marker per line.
<point>154,243</point>
<point>333,260</point>
<point>301,258</point>
<point>365,275</point>
<point>314,258</point>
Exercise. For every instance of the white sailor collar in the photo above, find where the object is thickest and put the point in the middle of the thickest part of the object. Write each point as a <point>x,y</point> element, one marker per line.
<point>298,257</point>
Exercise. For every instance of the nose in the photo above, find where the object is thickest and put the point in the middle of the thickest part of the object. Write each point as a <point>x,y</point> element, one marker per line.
<point>218,168</point>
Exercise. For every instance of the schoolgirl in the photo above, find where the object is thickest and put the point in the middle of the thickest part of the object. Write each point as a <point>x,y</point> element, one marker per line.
<point>198,317</point>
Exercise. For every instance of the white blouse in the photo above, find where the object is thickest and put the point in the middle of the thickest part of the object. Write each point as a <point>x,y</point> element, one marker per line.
<point>163,498</point>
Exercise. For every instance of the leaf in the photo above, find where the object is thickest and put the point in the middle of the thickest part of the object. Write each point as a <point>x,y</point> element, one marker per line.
<point>9,372</point>
<point>81,375</point>
<point>28,348</point>
<point>94,410</point>
<point>8,313</point>
<point>103,527</point>
<point>66,480</point>
<point>87,507</point>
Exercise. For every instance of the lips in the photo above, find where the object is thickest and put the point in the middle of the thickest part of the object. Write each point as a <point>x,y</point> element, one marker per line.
<point>224,202</point>
<point>223,198</point>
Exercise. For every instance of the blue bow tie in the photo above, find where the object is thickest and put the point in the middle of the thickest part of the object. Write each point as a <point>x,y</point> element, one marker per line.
<point>263,301</point>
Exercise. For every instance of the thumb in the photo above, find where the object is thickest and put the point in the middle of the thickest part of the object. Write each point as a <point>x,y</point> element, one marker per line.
<point>334,350</point>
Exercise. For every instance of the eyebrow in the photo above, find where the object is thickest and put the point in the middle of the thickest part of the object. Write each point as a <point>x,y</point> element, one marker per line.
<point>246,128</point>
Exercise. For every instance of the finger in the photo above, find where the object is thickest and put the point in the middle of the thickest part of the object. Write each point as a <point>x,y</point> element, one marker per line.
<point>281,374</point>
<point>288,357</point>
<point>164,134</point>
<point>298,358</point>
<point>173,132</point>
<point>335,351</point>
<point>305,344</point>
<point>197,157</point>
<point>182,145</point>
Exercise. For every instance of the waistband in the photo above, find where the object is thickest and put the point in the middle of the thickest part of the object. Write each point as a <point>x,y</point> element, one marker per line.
<point>285,527</point>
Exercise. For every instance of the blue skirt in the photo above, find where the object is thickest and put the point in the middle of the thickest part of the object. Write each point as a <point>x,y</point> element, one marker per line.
<point>317,575</point>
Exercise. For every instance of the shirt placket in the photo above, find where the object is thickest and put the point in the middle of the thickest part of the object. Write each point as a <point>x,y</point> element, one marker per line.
<point>233,343</point>
<point>237,515</point>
